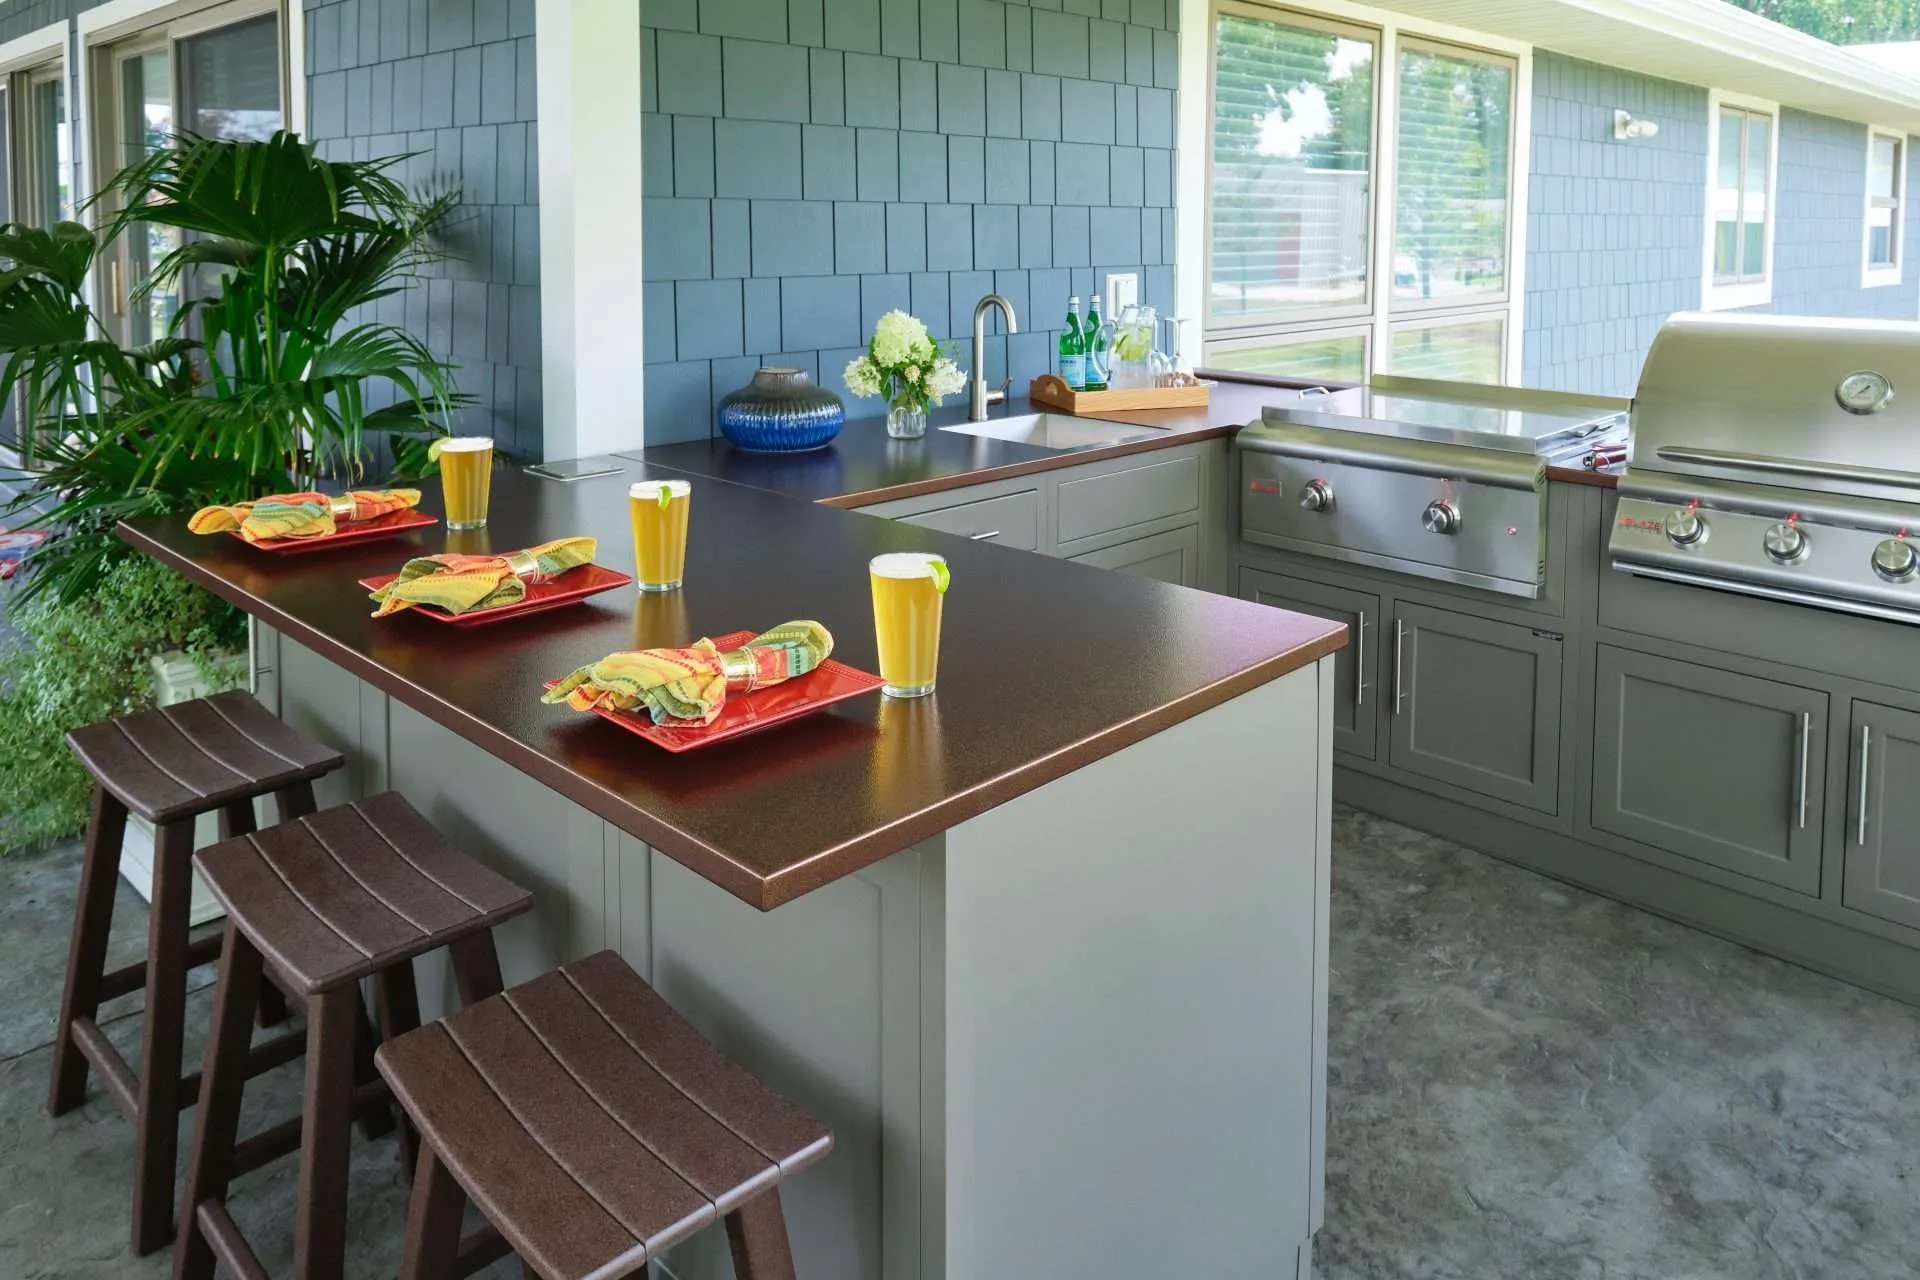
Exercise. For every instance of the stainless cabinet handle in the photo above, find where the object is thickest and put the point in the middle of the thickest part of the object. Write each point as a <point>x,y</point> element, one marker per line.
<point>982,537</point>
<point>1360,663</point>
<point>1866,748</point>
<point>1806,736</point>
<point>1399,644</point>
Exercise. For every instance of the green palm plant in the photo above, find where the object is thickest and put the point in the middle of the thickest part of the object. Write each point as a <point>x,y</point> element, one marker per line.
<point>269,379</point>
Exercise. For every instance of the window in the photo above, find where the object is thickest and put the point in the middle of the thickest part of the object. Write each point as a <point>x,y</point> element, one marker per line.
<point>1305,276</point>
<point>1742,147</point>
<point>215,72</point>
<point>1886,178</point>
<point>46,148</point>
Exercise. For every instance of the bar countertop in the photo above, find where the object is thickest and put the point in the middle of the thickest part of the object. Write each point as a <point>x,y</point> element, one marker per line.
<point>1046,666</point>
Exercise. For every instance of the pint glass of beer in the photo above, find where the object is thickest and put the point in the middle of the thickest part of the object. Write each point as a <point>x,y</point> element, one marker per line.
<point>907,590</point>
<point>466,474</point>
<point>659,511</point>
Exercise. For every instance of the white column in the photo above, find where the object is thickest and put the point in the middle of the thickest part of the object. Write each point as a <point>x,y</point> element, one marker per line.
<point>589,111</point>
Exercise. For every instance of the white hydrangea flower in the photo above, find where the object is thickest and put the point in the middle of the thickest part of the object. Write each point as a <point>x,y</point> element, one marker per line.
<point>945,379</point>
<point>896,338</point>
<point>913,373</point>
<point>862,378</point>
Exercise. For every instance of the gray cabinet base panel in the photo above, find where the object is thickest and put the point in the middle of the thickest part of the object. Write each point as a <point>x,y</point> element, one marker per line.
<point>1790,934</point>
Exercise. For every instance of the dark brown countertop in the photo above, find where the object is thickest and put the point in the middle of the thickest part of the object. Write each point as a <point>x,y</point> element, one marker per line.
<point>863,467</point>
<point>772,816</point>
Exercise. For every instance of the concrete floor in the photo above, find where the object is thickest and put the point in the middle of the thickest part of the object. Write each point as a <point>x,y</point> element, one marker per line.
<point>1527,1083</point>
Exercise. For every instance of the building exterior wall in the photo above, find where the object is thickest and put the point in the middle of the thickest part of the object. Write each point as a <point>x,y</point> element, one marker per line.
<point>1822,193</point>
<point>810,165</point>
<point>451,80</point>
<point>1616,232</point>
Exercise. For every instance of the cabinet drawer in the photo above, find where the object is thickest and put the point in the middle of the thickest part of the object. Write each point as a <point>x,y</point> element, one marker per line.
<point>1714,766</point>
<point>1173,556</point>
<point>1151,487</point>
<point>1009,521</point>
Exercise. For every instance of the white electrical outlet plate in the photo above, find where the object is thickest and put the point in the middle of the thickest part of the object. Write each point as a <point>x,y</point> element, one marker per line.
<point>1122,292</point>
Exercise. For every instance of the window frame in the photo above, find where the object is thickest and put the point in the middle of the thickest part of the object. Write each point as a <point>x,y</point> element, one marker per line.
<point>1717,294</point>
<point>1874,275</point>
<point>1389,31</point>
<point>1269,325</point>
<point>110,33</point>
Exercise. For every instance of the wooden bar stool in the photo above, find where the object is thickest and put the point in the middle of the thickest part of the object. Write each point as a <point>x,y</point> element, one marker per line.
<point>168,765</point>
<point>321,903</point>
<point>594,1127</point>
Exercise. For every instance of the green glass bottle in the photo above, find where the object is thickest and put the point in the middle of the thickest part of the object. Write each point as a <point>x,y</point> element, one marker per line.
<point>1073,361</point>
<point>1094,343</point>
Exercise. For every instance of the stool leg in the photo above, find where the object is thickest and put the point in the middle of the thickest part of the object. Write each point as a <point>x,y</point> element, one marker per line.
<point>158,1141</point>
<point>222,1083</point>
<point>476,967</point>
<point>295,801</point>
<point>397,1001</point>
<point>433,1222</point>
<point>87,954</point>
<point>376,1124</point>
<point>757,1234</point>
<point>320,1227</point>
<point>237,819</point>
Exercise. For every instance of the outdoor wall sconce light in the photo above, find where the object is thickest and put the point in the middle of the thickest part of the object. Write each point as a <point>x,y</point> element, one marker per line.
<point>1627,129</point>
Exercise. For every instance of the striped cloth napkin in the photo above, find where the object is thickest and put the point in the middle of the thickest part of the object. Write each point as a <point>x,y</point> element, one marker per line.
<point>301,515</point>
<point>461,584</point>
<point>693,683</point>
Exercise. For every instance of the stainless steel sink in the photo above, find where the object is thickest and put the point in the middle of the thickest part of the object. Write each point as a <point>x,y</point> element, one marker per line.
<point>1054,431</point>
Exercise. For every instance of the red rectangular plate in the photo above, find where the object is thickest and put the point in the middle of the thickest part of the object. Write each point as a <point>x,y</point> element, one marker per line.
<point>568,588</point>
<point>394,522</point>
<point>746,713</point>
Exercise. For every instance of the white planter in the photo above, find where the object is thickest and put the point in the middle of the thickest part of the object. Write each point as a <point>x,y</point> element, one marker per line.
<point>176,678</point>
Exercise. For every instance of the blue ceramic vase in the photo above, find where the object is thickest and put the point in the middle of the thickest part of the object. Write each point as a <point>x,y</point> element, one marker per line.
<point>781,411</point>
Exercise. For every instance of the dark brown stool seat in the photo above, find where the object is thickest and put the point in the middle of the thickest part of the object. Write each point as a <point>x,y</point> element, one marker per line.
<point>594,1127</point>
<point>168,765</point>
<point>320,903</point>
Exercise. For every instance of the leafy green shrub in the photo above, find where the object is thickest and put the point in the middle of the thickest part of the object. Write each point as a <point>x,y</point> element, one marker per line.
<point>75,663</point>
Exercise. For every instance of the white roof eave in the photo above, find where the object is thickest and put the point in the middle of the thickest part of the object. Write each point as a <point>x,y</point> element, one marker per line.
<point>1700,42</point>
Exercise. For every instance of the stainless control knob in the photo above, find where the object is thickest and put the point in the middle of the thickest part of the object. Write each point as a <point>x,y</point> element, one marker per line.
<point>1685,527</point>
<point>1317,496</point>
<point>1441,516</point>
<point>1785,543</point>
<point>1895,559</point>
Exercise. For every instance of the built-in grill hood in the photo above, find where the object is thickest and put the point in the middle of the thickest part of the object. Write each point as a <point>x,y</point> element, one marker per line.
<point>1759,400</point>
<point>1780,457</point>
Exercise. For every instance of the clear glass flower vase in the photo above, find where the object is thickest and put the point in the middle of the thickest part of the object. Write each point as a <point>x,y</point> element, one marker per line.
<point>906,420</point>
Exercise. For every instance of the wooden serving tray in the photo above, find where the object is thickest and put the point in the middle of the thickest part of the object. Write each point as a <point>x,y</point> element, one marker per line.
<point>1048,389</point>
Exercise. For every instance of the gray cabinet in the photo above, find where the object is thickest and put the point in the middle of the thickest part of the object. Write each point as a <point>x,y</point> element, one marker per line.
<point>1476,704</point>
<point>1722,768</point>
<point>1010,520</point>
<point>1104,498</point>
<point>1882,871</point>
<point>1356,667</point>
<point>1173,556</point>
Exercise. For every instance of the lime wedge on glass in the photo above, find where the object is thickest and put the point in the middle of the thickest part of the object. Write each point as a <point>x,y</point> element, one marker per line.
<point>941,578</point>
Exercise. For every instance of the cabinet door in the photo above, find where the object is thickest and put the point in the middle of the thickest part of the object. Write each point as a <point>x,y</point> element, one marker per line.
<point>1723,768</point>
<point>1883,814</point>
<point>1173,556</point>
<point>1476,704</point>
<point>1356,668</point>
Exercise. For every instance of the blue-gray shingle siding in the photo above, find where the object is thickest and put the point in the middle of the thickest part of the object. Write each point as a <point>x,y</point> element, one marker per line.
<point>913,154</point>
<point>1616,231</point>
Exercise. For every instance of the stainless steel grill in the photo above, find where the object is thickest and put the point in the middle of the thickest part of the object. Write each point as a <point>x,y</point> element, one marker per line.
<point>1779,457</point>
<point>1438,479</point>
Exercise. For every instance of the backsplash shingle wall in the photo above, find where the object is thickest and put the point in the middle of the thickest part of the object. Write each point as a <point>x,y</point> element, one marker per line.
<point>454,81</point>
<point>812,164</point>
<point>1615,230</point>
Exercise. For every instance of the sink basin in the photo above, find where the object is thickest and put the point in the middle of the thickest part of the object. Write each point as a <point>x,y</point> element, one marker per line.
<point>1054,431</point>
